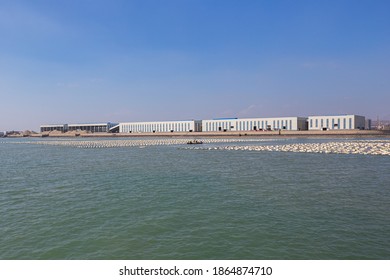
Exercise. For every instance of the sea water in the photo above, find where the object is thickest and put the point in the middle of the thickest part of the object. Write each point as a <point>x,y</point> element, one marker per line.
<point>166,202</point>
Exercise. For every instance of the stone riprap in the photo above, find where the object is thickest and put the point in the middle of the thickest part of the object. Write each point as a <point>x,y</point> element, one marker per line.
<point>363,147</point>
<point>367,147</point>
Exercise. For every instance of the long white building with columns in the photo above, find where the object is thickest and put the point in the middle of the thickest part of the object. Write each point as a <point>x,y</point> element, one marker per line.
<point>338,122</point>
<point>161,126</point>
<point>252,124</point>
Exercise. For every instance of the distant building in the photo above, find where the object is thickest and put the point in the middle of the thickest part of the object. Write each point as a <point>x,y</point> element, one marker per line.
<point>252,124</point>
<point>89,127</point>
<point>162,126</point>
<point>92,127</point>
<point>221,124</point>
<point>381,124</point>
<point>368,124</point>
<point>54,127</point>
<point>2,134</point>
<point>336,122</point>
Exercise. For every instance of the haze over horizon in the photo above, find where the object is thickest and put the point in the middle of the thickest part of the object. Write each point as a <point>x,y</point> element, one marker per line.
<point>144,60</point>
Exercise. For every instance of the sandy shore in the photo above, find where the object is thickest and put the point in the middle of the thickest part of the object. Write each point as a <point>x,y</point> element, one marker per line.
<point>282,133</point>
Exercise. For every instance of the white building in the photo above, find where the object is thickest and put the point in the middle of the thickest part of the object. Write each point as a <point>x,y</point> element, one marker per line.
<point>222,124</point>
<point>163,126</point>
<point>336,122</point>
<point>252,124</point>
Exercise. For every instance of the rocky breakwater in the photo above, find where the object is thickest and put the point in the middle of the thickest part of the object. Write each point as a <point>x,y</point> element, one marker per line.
<point>366,147</point>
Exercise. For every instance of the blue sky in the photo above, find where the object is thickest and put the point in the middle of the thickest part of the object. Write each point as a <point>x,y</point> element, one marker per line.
<point>143,60</point>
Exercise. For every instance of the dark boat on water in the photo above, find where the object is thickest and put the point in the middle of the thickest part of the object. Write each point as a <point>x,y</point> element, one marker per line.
<point>195,142</point>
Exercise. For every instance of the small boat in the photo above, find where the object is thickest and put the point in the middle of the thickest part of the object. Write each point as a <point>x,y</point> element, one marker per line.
<point>195,142</point>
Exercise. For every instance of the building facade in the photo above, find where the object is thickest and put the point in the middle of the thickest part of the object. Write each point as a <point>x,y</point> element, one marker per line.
<point>91,127</point>
<point>336,122</point>
<point>222,124</point>
<point>54,127</point>
<point>253,124</point>
<point>368,124</point>
<point>163,126</point>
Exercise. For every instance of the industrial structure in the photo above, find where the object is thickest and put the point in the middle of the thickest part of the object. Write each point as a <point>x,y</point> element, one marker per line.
<point>163,126</point>
<point>338,122</point>
<point>235,124</point>
<point>90,127</point>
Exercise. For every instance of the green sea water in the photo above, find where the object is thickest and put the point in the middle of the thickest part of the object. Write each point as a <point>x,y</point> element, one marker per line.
<point>163,202</point>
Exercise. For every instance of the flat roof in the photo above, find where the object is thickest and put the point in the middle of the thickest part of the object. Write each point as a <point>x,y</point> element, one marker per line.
<point>225,119</point>
<point>79,124</point>
<point>90,124</point>
<point>52,125</point>
<point>258,118</point>
<point>341,115</point>
<point>158,122</point>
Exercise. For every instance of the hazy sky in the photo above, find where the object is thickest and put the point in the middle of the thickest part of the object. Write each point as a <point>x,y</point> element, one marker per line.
<point>143,60</point>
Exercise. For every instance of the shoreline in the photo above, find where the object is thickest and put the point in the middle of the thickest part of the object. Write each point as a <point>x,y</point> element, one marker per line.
<point>259,134</point>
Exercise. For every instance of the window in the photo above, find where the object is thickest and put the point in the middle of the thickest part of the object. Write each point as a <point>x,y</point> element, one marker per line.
<point>316,122</point>
<point>311,123</point>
